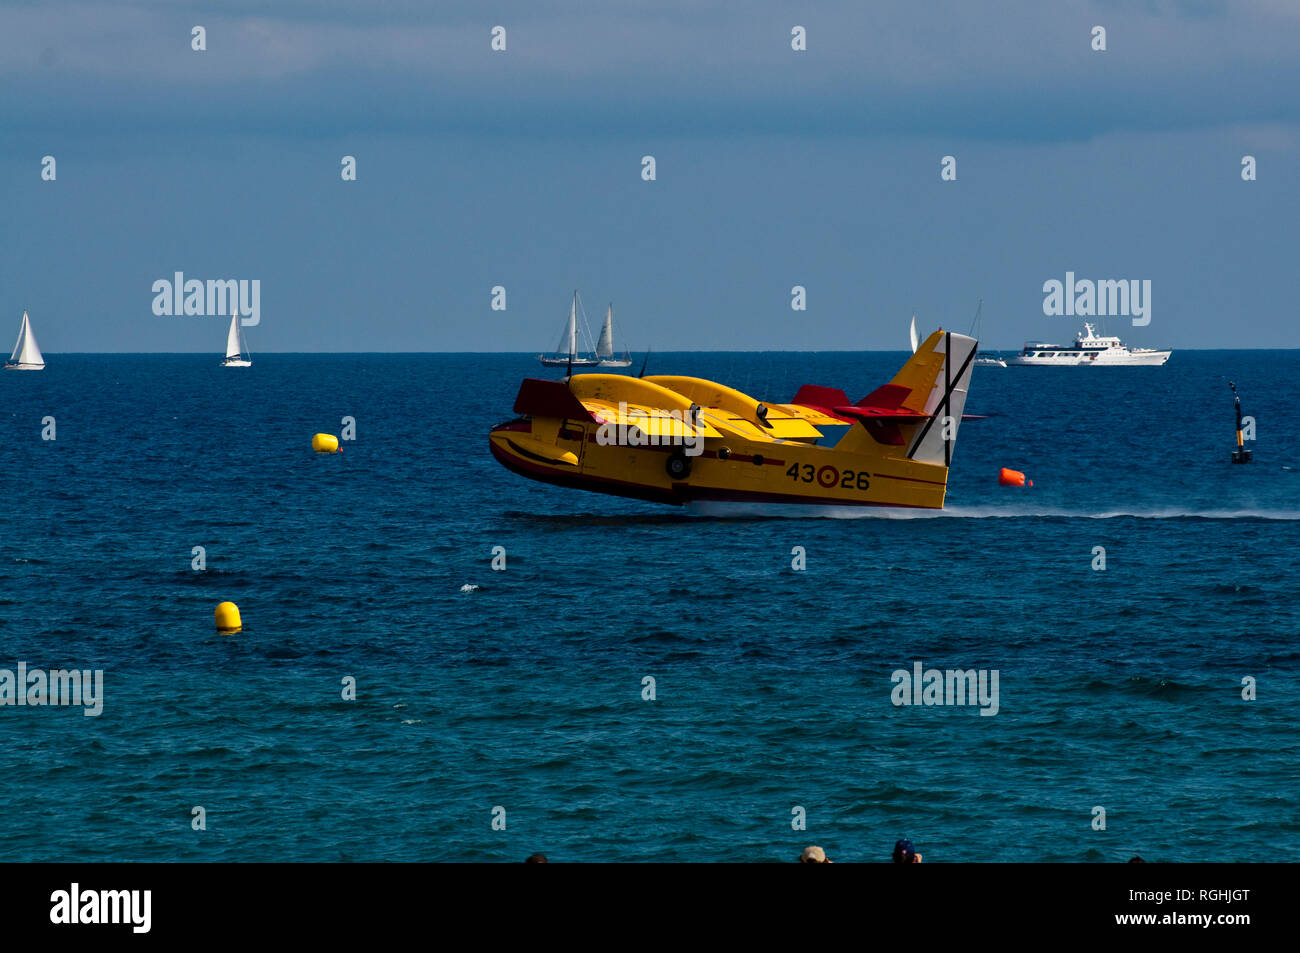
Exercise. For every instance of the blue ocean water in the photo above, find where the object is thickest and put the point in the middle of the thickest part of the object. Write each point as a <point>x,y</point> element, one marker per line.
<point>1119,688</point>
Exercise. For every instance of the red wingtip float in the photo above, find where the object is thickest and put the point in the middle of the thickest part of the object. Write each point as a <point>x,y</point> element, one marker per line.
<point>1008,477</point>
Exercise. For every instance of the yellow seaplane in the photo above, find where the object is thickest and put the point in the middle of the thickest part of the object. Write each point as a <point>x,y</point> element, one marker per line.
<point>678,440</point>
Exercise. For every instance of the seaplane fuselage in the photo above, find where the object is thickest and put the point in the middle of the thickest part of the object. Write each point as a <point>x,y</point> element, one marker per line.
<point>676,440</point>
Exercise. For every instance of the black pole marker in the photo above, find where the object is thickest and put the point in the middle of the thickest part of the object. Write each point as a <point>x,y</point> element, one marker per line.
<point>1241,454</point>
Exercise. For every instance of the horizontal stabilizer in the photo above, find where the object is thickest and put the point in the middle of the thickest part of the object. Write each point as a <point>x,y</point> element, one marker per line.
<point>542,398</point>
<point>822,398</point>
<point>879,413</point>
<point>886,397</point>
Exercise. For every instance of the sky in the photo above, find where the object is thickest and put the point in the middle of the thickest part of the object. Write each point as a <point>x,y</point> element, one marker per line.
<point>522,169</point>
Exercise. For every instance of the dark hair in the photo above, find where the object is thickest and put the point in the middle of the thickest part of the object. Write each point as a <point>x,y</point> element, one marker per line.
<point>904,852</point>
<point>536,859</point>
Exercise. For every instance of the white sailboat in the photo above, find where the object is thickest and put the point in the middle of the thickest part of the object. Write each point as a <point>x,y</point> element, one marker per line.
<point>605,346</point>
<point>27,353</point>
<point>915,341</point>
<point>566,353</point>
<point>235,348</point>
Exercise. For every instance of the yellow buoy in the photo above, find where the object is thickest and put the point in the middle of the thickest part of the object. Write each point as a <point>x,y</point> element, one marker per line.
<point>325,443</point>
<point>227,616</point>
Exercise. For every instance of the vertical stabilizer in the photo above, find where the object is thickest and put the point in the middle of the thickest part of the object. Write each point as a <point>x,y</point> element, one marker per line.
<point>938,376</point>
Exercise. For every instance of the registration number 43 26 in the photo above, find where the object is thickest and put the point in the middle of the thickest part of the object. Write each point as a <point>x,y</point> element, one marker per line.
<point>829,476</point>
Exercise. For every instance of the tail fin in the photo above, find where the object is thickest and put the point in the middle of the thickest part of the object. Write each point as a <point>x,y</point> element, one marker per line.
<point>938,376</point>
<point>921,408</point>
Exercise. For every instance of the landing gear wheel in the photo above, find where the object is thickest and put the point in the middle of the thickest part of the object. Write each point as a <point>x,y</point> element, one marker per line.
<point>678,465</point>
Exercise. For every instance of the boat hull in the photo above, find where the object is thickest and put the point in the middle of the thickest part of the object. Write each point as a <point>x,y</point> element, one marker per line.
<point>1092,359</point>
<point>24,367</point>
<point>565,362</point>
<point>236,363</point>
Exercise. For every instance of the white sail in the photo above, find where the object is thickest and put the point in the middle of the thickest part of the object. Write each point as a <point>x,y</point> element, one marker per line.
<point>573,326</point>
<point>232,339</point>
<point>235,347</point>
<point>605,346</point>
<point>27,351</point>
<point>915,341</point>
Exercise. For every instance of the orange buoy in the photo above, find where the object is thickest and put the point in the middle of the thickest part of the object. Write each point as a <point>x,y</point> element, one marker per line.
<point>1008,477</point>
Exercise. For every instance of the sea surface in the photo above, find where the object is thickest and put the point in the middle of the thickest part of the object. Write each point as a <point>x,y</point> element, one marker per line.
<point>521,696</point>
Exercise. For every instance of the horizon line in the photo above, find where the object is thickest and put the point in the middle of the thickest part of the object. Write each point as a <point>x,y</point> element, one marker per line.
<point>533,354</point>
